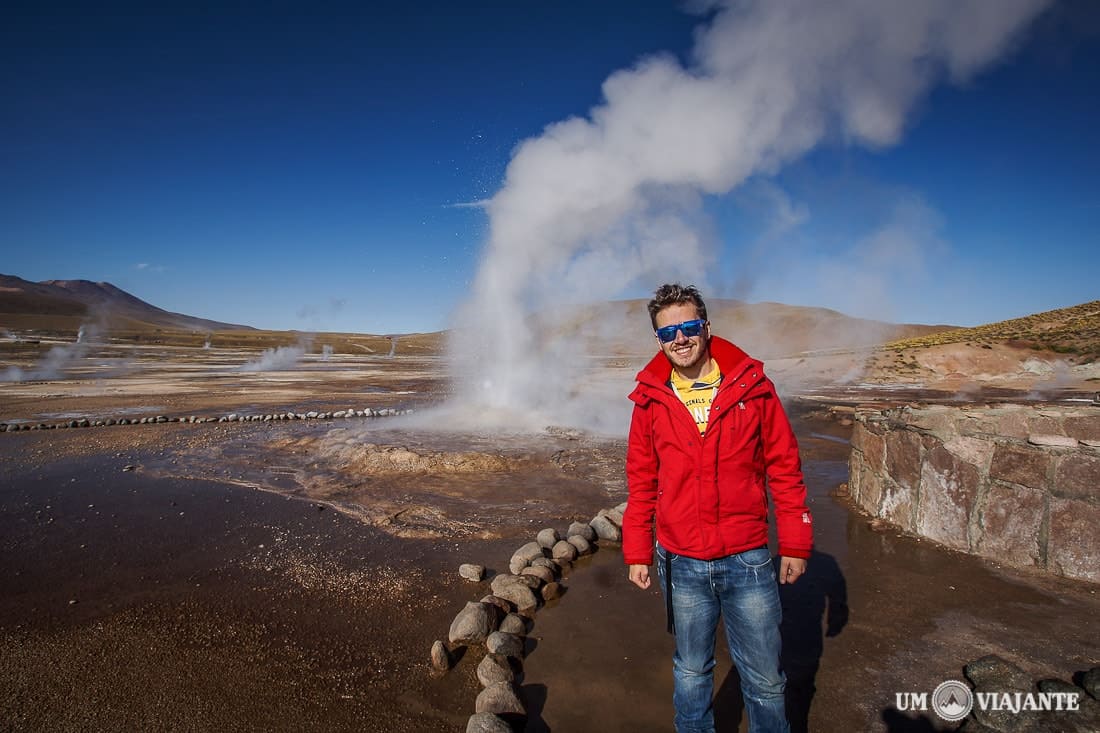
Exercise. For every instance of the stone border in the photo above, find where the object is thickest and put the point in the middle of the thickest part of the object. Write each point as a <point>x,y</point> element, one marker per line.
<point>231,417</point>
<point>502,620</point>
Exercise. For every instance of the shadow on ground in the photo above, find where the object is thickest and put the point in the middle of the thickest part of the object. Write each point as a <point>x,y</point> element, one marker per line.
<point>813,608</point>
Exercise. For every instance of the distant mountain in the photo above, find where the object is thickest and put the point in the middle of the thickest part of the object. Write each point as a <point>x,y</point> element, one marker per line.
<point>765,330</point>
<point>67,304</point>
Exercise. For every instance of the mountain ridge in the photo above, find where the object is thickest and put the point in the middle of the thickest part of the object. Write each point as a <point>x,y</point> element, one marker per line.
<point>101,302</point>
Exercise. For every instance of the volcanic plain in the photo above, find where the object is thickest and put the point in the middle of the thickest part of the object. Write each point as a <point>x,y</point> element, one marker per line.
<point>276,571</point>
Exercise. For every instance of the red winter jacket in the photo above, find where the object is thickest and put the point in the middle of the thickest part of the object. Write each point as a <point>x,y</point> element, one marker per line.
<point>708,493</point>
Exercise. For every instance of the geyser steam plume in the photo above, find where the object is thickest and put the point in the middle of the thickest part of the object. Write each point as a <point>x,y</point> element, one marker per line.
<point>598,204</point>
<point>58,360</point>
<point>281,358</point>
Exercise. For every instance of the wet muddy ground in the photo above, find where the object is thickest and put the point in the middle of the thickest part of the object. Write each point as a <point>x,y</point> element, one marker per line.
<point>292,576</point>
<point>876,614</point>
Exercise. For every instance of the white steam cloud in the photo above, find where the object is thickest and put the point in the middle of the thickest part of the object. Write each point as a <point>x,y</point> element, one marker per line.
<point>58,360</point>
<point>281,358</point>
<point>599,204</point>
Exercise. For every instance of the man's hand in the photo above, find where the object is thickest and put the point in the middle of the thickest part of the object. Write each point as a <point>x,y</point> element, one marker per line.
<point>639,576</point>
<point>790,569</point>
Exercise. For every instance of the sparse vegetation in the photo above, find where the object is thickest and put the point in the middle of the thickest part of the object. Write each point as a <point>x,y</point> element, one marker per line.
<point>1071,331</point>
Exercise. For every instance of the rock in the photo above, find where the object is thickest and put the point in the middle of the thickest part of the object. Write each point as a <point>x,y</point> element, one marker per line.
<point>498,603</point>
<point>605,529</point>
<point>581,544</point>
<point>473,624</point>
<point>994,673</point>
<point>503,580</point>
<point>339,413</point>
<point>1090,681</point>
<point>550,591</point>
<point>513,623</point>
<point>545,562</point>
<point>487,723</point>
<point>469,571</point>
<point>495,668</point>
<point>1052,441</point>
<point>524,555</point>
<point>522,597</point>
<point>231,417</point>
<point>501,642</point>
<point>500,699</point>
<point>615,515</point>
<point>581,529</point>
<point>441,658</point>
<point>547,538</point>
<point>1055,685</point>
<point>564,551</point>
<point>543,573</point>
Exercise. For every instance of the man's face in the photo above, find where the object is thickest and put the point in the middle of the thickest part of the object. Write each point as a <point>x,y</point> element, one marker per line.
<point>687,354</point>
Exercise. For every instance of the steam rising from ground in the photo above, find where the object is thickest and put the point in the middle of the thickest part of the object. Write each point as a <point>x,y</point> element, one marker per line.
<point>597,205</point>
<point>58,360</point>
<point>277,359</point>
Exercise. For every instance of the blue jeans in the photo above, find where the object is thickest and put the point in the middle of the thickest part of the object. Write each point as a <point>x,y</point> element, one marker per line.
<point>742,589</point>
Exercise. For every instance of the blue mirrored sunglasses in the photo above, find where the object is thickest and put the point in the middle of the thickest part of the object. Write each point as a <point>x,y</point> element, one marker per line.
<point>690,328</point>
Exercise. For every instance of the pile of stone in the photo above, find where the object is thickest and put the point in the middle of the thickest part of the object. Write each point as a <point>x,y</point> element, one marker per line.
<point>231,417</point>
<point>998,681</point>
<point>500,621</point>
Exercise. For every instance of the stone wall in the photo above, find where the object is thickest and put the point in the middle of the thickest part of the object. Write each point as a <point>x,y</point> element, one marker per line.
<point>1017,484</point>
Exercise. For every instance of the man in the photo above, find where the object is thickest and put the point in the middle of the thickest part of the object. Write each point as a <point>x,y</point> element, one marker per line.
<point>708,434</point>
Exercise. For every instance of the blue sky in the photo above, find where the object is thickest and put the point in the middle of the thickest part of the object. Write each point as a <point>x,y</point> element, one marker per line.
<point>304,166</point>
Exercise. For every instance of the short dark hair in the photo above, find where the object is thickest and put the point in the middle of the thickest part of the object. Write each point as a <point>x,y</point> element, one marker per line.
<point>674,294</point>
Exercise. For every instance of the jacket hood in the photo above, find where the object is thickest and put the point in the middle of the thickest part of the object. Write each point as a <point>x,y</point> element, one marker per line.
<point>731,360</point>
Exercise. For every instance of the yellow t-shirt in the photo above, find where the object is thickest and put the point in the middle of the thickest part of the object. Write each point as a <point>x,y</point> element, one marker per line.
<point>698,394</point>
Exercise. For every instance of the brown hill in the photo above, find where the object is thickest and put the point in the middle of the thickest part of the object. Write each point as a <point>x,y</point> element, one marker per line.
<point>60,308</point>
<point>765,330</point>
<point>1072,331</point>
<point>66,305</point>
